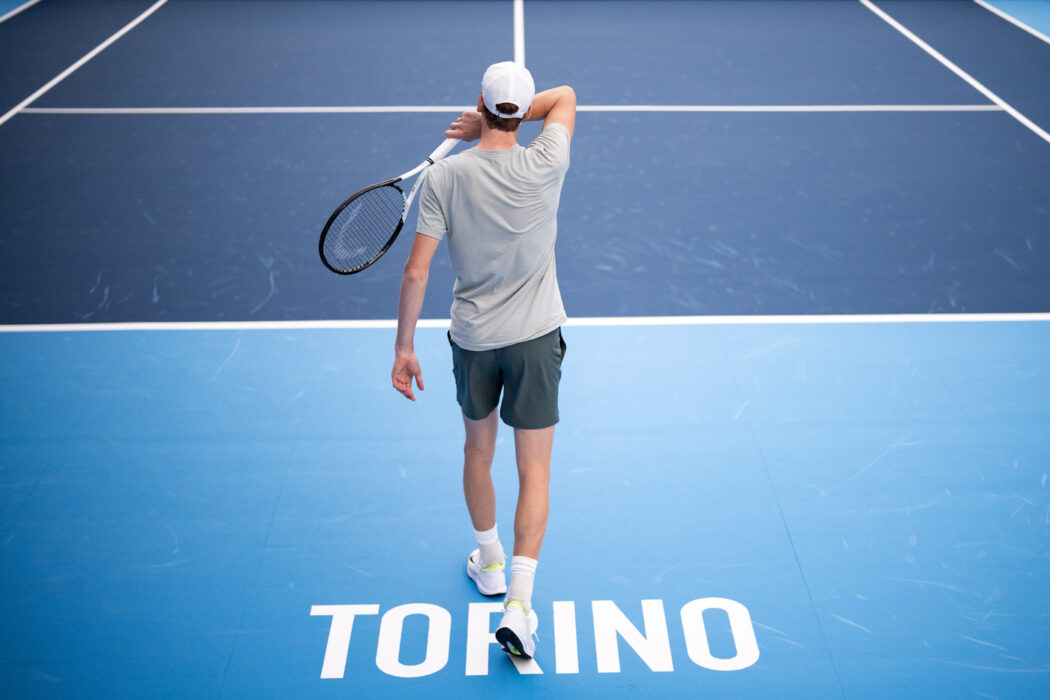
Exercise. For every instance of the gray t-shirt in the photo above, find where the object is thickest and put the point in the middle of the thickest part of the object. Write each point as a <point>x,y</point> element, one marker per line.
<point>499,210</point>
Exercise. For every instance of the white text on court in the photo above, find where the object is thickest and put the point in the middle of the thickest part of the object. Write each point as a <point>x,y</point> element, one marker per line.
<point>651,644</point>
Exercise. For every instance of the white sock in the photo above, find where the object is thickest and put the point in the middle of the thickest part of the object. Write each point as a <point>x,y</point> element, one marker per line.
<point>522,573</point>
<point>491,549</point>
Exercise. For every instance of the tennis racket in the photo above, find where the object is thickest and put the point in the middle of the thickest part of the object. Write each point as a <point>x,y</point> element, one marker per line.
<point>365,226</point>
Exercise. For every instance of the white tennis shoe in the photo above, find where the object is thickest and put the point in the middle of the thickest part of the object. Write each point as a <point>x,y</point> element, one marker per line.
<point>516,630</point>
<point>490,580</point>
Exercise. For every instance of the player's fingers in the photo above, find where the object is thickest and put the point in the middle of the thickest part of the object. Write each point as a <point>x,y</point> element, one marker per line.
<point>404,388</point>
<point>406,391</point>
<point>419,380</point>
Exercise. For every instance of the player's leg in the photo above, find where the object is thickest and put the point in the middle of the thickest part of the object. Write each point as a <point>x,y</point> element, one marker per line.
<point>533,451</point>
<point>532,371</point>
<point>486,564</point>
<point>478,450</point>
<point>478,385</point>
<point>518,625</point>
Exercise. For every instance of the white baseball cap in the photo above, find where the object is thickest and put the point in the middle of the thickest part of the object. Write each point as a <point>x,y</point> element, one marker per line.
<point>508,82</point>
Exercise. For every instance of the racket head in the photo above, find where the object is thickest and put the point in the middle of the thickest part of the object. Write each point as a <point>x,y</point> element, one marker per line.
<point>362,228</point>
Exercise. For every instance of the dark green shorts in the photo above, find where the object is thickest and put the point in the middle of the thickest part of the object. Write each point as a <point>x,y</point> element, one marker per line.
<point>527,373</point>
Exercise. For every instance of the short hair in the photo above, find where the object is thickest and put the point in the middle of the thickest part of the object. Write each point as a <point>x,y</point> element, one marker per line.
<point>502,123</point>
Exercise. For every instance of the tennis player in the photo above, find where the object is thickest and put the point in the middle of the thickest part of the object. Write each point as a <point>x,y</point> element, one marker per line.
<point>497,205</point>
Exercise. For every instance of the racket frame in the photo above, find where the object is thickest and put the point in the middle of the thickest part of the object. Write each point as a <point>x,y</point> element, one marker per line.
<point>439,153</point>
<point>339,210</point>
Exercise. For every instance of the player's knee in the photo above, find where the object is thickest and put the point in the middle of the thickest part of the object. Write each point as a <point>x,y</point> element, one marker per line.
<point>534,472</point>
<point>477,455</point>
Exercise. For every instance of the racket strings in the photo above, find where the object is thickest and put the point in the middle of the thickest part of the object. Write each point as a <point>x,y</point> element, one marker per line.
<point>364,227</point>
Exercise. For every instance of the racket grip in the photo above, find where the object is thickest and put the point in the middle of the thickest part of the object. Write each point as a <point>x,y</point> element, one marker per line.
<point>442,150</point>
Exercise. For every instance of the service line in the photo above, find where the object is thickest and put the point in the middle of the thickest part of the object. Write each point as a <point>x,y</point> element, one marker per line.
<point>455,109</point>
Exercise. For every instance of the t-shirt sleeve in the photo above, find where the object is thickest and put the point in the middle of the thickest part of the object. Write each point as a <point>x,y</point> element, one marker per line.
<point>431,221</point>
<point>552,146</point>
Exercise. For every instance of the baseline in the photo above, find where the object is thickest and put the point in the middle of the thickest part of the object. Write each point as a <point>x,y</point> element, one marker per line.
<point>824,319</point>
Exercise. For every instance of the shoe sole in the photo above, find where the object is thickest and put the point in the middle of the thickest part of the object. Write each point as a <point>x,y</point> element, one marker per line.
<point>510,643</point>
<point>482,590</point>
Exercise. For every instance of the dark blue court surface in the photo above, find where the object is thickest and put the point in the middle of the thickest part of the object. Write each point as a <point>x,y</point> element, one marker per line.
<point>802,500</point>
<point>43,40</point>
<point>213,217</point>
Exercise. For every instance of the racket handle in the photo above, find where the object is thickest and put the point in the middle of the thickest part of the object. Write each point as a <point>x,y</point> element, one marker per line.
<point>439,153</point>
<point>442,150</point>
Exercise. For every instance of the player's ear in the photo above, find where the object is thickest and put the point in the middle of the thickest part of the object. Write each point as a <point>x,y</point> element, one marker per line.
<point>528,113</point>
<point>481,103</point>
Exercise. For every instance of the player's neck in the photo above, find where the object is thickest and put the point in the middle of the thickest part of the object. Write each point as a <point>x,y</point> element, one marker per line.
<point>496,140</point>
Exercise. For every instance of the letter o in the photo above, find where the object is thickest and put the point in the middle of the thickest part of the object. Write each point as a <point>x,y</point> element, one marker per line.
<point>388,649</point>
<point>697,644</point>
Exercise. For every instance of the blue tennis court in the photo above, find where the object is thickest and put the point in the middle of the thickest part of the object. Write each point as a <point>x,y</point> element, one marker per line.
<point>803,444</point>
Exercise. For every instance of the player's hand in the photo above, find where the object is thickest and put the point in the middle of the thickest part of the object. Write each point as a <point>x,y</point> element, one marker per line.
<point>406,367</point>
<point>466,127</point>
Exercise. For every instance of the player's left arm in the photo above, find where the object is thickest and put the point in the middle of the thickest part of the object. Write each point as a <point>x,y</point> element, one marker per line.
<point>554,106</point>
<point>410,304</point>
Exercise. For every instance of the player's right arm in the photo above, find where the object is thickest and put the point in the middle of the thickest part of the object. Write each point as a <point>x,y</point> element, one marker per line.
<point>554,106</point>
<point>410,304</point>
<point>430,229</point>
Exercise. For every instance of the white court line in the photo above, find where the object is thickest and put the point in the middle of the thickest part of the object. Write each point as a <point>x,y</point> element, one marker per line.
<point>1013,20</point>
<point>519,32</point>
<point>409,109</point>
<point>789,108</point>
<point>796,320</point>
<point>787,320</point>
<point>957,70</point>
<point>18,9</point>
<point>87,57</point>
<point>375,109</point>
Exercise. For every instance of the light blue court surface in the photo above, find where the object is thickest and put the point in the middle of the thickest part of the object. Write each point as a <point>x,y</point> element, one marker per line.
<point>873,495</point>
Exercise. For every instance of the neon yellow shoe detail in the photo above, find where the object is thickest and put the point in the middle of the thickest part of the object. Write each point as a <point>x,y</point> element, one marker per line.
<point>490,580</point>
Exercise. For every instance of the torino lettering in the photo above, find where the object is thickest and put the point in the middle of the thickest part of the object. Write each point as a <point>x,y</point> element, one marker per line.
<point>651,644</point>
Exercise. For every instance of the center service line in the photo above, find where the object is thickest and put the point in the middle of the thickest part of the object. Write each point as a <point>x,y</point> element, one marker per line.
<point>519,32</point>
